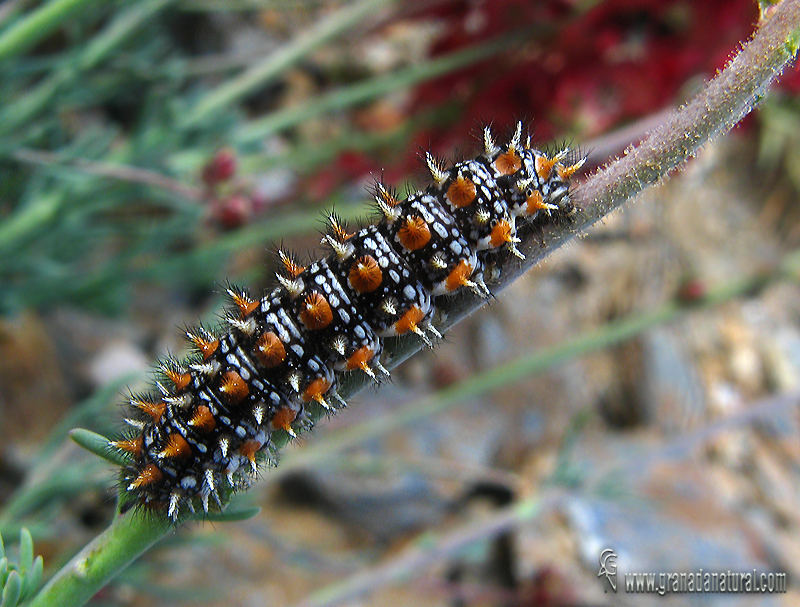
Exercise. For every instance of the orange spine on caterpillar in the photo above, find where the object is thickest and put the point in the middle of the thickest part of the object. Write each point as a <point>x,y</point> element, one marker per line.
<point>216,415</point>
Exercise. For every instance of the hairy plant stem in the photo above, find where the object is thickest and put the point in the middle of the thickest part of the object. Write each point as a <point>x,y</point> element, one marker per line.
<point>721,104</point>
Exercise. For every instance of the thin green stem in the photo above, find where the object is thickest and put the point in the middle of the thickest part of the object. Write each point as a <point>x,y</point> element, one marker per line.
<point>67,481</point>
<point>274,65</point>
<point>248,5</point>
<point>9,10</point>
<point>276,228</point>
<point>110,170</point>
<point>305,157</point>
<point>116,32</point>
<point>32,28</point>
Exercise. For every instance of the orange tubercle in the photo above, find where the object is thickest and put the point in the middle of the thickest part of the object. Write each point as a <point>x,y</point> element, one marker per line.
<point>316,389</point>
<point>386,195</point>
<point>409,320</point>
<point>534,203</point>
<point>360,358</point>
<point>567,172</point>
<point>233,388</point>
<point>508,163</point>
<point>292,268</point>
<point>203,419</point>
<point>459,276</point>
<point>181,380</point>
<point>283,419</point>
<point>338,231</point>
<point>501,234</point>
<point>150,474</point>
<point>244,303</point>
<point>206,345</point>
<point>365,274</point>
<point>461,192</point>
<point>544,166</point>
<point>176,447</point>
<point>153,409</point>
<point>316,312</point>
<point>414,234</point>
<point>270,350</point>
<point>249,449</point>
<point>131,445</point>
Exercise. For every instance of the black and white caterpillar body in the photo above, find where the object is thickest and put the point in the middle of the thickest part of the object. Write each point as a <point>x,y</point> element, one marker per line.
<point>216,415</point>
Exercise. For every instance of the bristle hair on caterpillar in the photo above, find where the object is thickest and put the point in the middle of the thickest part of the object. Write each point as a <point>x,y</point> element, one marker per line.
<point>215,417</point>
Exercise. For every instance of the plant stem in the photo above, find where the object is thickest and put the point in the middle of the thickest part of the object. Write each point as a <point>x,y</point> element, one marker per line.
<point>29,30</point>
<point>731,95</point>
<point>28,219</point>
<point>111,171</point>
<point>108,554</point>
<point>723,102</point>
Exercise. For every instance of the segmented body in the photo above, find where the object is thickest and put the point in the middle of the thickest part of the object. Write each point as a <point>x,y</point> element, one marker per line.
<point>216,415</point>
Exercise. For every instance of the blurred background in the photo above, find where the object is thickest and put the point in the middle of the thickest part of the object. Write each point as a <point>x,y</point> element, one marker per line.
<point>150,150</point>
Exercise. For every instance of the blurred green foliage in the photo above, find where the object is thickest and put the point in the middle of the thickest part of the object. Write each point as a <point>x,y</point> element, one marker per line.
<point>105,124</point>
<point>19,580</point>
<point>108,93</point>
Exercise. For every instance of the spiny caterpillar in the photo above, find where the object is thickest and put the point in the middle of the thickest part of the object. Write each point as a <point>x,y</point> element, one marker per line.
<point>213,420</point>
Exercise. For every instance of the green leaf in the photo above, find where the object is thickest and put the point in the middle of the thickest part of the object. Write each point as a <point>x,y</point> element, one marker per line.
<point>11,591</point>
<point>33,578</point>
<point>99,445</point>
<point>231,515</point>
<point>25,551</point>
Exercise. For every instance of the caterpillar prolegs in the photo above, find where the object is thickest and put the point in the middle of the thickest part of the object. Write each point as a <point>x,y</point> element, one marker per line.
<point>216,415</point>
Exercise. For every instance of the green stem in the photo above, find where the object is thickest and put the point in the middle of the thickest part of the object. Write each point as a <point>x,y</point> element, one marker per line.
<point>68,481</point>
<point>117,547</point>
<point>31,29</point>
<point>274,65</point>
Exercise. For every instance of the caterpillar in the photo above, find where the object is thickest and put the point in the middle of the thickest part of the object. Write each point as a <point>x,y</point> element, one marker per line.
<point>215,416</point>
